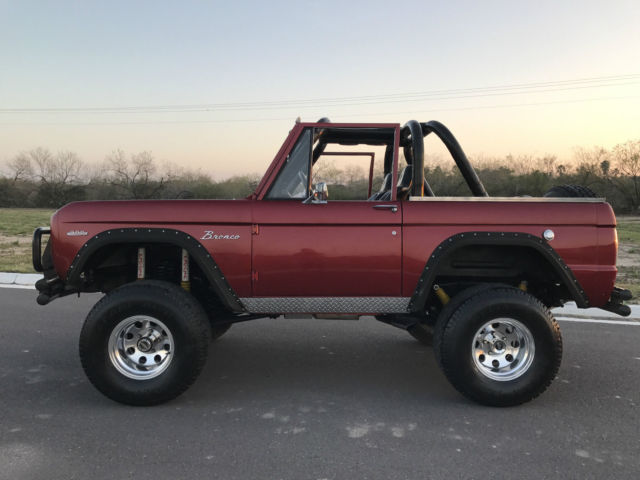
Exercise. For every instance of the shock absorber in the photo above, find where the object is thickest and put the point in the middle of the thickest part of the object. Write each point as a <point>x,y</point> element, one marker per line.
<point>141,263</point>
<point>441,294</point>
<point>184,280</point>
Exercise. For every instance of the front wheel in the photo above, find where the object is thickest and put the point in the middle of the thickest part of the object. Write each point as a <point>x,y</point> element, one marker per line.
<point>144,343</point>
<point>499,348</point>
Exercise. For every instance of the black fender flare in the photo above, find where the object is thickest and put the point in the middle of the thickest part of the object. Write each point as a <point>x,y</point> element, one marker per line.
<point>146,235</point>
<point>425,282</point>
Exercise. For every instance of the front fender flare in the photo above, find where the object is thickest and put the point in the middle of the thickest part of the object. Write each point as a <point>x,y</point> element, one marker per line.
<point>157,235</point>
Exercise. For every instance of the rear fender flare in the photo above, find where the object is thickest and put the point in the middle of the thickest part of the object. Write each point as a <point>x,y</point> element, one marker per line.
<point>430,271</point>
<point>157,235</point>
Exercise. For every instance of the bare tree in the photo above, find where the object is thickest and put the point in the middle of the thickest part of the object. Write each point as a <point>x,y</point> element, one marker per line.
<point>20,167</point>
<point>589,167</point>
<point>546,164</point>
<point>135,177</point>
<point>65,169</point>
<point>58,176</point>
<point>325,170</point>
<point>626,174</point>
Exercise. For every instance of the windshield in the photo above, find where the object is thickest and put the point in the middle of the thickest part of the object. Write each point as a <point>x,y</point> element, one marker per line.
<point>293,179</point>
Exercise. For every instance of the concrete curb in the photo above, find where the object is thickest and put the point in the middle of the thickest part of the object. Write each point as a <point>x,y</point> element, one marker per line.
<point>570,310</point>
<point>21,279</point>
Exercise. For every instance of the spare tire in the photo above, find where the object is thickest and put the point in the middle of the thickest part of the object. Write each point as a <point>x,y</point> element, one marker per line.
<point>570,191</point>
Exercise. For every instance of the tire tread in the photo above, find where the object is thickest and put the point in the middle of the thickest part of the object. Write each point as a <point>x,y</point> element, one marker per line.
<point>193,316</point>
<point>445,343</point>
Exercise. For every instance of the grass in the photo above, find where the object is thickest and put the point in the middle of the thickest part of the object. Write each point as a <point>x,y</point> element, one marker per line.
<point>629,231</point>
<point>629,277</point>
<point>15,258</point>
<point>22,221</point>
<point>16,227</point>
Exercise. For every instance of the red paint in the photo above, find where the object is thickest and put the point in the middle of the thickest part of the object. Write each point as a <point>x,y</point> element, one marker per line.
<point>224,217</point>
<point>583,243</point>
<point>345,248</point>
<point>333,249</point>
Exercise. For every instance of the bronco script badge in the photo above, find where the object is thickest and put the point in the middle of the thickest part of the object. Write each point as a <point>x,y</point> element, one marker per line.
<point>209,235</point>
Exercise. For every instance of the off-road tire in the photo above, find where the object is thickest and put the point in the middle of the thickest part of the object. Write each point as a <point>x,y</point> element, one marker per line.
<point>206,296</point>
<point>452,306</point>
<point>172,307</point>
<point>570,191</point>
<point>426,333</point>
<point>457,334</point>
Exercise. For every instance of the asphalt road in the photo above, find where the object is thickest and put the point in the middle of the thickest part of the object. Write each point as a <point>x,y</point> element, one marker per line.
<point>310,399</point>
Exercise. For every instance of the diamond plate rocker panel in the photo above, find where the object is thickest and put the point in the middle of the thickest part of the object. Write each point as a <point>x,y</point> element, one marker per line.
<point>326,304</point>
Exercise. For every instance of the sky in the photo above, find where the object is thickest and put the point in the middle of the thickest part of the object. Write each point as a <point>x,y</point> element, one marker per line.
<point>216,86</point>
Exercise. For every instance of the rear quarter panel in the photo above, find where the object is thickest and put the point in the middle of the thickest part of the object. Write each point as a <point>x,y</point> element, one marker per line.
<point>584,234</point>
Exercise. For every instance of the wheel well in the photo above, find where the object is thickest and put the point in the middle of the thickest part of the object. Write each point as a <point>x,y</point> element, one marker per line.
<point>515,265</point>
<point>116,264</point>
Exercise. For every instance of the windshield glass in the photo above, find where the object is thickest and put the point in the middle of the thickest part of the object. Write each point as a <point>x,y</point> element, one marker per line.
<point>293,179</point>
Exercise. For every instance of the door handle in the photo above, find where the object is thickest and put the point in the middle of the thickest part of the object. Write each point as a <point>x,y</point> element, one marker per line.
<point>393,208</point>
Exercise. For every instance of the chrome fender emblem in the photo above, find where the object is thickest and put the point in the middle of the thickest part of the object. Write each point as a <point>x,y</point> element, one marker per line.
<point>210,235</point>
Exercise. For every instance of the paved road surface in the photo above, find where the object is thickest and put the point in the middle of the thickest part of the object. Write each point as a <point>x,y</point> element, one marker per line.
<point>310,399</point>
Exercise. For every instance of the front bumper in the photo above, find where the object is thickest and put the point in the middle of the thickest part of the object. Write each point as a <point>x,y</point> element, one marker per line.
<point>36,247</point>
<point>51,286</point>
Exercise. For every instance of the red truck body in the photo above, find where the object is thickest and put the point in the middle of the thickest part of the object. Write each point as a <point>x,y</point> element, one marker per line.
<point>475,277</point>
<point>281,248</point>
<point>347,249</point>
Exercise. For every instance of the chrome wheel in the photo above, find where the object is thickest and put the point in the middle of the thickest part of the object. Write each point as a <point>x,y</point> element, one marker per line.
<point>141,347</point>
<point>503,349</point>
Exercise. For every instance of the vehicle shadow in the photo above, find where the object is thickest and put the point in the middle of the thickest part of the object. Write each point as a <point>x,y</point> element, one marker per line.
<point>335,358</point>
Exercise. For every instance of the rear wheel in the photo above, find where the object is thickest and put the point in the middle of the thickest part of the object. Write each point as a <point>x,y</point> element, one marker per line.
<point>144,343</point>
<point>499,348</point>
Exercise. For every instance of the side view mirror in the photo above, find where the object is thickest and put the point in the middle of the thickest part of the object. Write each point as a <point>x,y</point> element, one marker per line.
<point>319,195</point>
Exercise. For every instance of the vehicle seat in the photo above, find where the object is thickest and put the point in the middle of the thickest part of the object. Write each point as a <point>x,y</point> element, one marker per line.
<point>384,188</point>
<point>404,183</point>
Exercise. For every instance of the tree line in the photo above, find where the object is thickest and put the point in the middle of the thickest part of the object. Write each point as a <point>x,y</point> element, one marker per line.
<point>40,178</point>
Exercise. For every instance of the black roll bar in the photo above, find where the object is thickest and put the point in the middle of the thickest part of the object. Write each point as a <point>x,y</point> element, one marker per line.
<point>469,174</point>
<point>414,155</point>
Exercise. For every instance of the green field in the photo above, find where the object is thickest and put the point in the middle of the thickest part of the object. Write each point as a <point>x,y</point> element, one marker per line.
<point>23,221</point>
<point>17,225</point>
<point>629,230</point>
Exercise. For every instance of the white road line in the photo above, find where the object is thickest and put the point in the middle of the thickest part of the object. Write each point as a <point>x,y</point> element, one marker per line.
<point>590,320</point>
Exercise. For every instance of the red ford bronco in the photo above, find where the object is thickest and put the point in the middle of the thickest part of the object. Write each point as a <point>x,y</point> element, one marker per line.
<point>474,276</point>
